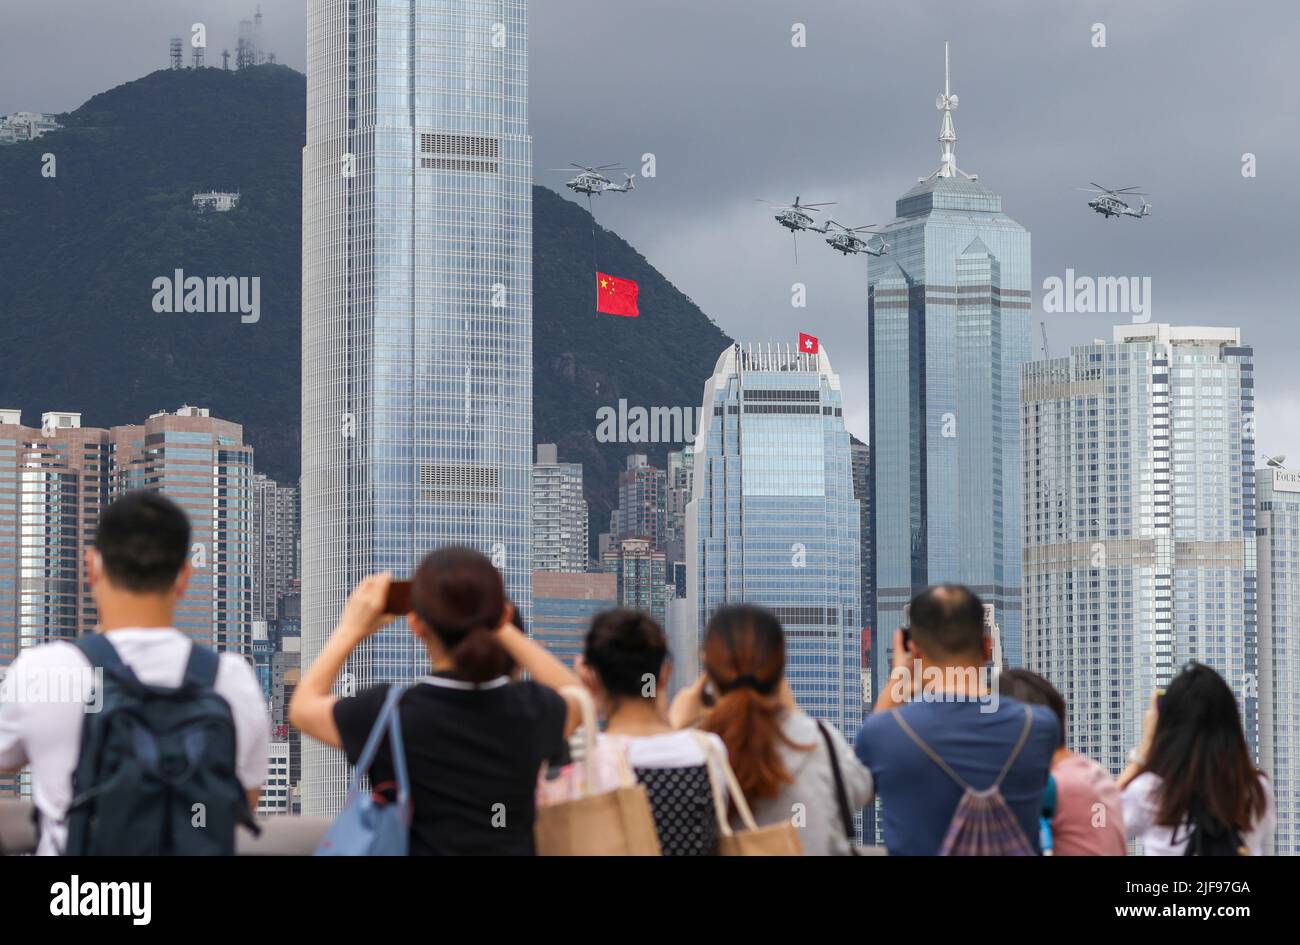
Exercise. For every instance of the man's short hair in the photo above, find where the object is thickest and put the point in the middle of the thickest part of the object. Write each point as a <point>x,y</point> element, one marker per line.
<point>947,621</point>
<point>143,539</point>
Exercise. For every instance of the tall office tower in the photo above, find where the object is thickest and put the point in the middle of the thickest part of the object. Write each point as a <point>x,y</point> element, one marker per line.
<point>204,466</point>
<point>683,645</point>
<point>559,514</point>
<point>54,480</point>
<point>948,327</point>
<point>563,605</point>
<point>860,454</point>
<point>274,546</point>
<point>642,503</point>
<point>642,573</point>
<point>680,478</point>
<point>773,521</point>
<point>417,311</point>
<point>1277,530</point>
<point>1139,527</point>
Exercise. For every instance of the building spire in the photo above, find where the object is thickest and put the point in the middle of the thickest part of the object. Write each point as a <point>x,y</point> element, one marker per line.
<point>946,103</point>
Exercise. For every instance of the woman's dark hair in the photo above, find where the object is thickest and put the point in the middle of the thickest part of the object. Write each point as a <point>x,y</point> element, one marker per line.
<point>1024,686</point>
<point>744,656</point>
<point>625,649</point>
<point>1199,752</point>
<point>460,595</point>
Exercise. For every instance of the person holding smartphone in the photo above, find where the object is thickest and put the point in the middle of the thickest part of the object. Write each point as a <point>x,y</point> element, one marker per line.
<point>475,738</point>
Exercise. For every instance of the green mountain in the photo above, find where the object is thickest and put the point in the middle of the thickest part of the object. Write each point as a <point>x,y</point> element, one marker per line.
<point>80,250</point>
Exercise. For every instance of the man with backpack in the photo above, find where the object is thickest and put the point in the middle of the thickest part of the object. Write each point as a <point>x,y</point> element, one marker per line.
<point>139,741</point>
<point>959,771</point>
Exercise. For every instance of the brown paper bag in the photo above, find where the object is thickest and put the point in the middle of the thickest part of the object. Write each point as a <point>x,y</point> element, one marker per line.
<point>773,840</point>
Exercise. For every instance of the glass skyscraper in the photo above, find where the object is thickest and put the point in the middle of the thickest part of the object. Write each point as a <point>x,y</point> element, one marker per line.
<point>1277,527</point>
<point>1139,524</point>
<point>417,311</point>
<point>773,521</point>
<point>948,328</point>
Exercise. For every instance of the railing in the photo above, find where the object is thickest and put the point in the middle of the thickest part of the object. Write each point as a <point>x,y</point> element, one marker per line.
<point>281,835</point>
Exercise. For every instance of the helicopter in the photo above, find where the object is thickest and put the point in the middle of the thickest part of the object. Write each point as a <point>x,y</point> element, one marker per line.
<point>592,181</point>
<point>1108,202</point>
<point>797,216</point>
<point>847,241</point>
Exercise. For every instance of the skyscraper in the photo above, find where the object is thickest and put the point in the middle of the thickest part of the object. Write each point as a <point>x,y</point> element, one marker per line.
<point>1139,550</point>
<point>559,514</point>
<point>274,546</point>
<point>417,311</point>
<point>948,327</point>
<point>642,503</point>
<point>642,573</point>
<point>773,521</point>
<point>861,457</point>
<point>1277,527</point>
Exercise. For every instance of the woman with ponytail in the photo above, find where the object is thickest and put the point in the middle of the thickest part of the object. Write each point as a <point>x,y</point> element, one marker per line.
<point>474,739</point>
<point>781,756</point>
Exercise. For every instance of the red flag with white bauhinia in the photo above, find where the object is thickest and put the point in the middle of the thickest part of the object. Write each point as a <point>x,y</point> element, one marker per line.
<point>615,296</point>
<point>808,344</point>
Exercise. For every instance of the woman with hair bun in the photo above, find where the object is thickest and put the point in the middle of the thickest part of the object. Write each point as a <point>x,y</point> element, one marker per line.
<point>625,665</point>
<point>786,761</point>
<point>474,739</point>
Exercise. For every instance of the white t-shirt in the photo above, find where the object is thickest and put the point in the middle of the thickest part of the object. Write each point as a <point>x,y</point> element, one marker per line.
<point>43,696</point>
<point>1140,809</point>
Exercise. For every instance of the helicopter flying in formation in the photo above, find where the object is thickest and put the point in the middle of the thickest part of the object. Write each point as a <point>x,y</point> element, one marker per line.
<point>796,216</point>
<point>1109,203</point>
<point>848,242</point>
<point>592,181</point>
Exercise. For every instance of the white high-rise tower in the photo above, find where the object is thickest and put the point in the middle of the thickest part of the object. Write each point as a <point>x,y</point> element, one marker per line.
<point>417,311</point>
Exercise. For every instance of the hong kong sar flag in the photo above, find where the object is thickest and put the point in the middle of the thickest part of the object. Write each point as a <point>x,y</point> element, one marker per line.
<point>808,344</point>
<point>615,296</point>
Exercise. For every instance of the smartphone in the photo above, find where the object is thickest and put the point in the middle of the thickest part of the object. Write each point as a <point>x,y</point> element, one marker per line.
<point>399,598</point>
<point>907,635</point>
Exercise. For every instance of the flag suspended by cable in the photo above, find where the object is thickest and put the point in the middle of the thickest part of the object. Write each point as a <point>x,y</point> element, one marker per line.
<point>615,296</point>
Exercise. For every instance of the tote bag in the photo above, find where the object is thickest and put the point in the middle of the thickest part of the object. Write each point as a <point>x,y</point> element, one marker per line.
<point>779,839</point>
<point>615,822</point>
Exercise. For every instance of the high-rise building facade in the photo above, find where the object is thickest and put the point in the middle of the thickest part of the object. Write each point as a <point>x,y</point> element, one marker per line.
<point>563,605</point>
<point>417,311</point>
<point>642,503</point>
<point>1277,530</point>
<point>680,478</point>
<point>861,457</point>
<point>1139,527</point>
<point>274,546</point>
<point>642,574</point>
<point>948,328</point>
<point>772,520</point>
<point>559,514</point>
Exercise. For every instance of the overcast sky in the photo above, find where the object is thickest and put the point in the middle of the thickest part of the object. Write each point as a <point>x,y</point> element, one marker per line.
<point>733,112</point>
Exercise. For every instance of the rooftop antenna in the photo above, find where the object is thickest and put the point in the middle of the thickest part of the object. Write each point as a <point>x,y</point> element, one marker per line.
<point>177,52</point>
<point>947,103</point>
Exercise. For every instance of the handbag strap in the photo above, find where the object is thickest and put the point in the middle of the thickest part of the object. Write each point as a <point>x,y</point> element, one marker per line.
<point>587,706</point>
<point>387,722</point>
<point>841,793</point>
<point>732,787</point>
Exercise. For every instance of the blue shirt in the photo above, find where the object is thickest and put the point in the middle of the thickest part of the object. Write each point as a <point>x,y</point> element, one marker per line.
<point>919,798</point>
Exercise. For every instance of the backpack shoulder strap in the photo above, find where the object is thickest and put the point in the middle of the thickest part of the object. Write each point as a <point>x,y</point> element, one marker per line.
<point>930,752</point>
<point>103,655</point>
<point>201,668</point>
<point>1020,745</point>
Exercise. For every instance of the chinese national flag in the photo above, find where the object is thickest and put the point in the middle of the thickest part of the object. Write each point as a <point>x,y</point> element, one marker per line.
<point>615,296</point>
<point>808,344</point>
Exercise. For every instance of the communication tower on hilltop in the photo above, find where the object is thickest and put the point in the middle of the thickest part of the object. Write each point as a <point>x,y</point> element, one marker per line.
<point>177,52</point>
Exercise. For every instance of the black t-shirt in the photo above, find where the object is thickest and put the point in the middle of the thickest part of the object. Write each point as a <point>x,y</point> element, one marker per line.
<point>472,754</point>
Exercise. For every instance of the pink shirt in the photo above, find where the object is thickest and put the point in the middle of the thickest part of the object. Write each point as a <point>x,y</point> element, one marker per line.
<point>1089,811</point>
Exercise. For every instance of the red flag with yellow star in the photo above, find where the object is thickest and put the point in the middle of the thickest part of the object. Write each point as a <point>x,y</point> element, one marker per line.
<point>615,296</point>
